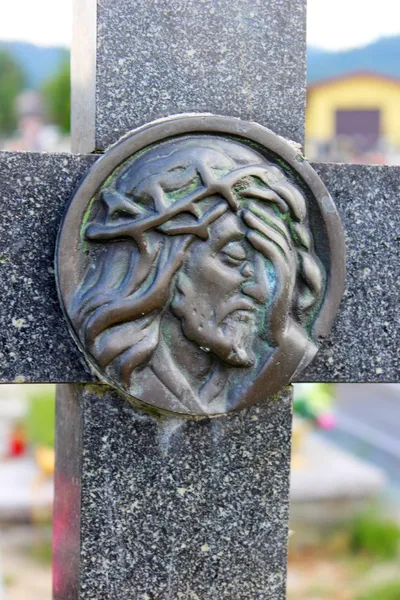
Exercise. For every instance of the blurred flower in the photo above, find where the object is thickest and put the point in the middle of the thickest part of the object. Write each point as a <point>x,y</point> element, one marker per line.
<point>326,421</point>
<point>17,442</point>
<point>313,401</point>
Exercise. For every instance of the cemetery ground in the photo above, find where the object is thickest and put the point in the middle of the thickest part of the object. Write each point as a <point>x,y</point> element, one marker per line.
<point>353,559</point>
<point>332,569</point>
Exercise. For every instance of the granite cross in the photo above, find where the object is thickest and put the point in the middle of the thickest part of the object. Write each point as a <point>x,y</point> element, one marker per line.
<point>160,507</point>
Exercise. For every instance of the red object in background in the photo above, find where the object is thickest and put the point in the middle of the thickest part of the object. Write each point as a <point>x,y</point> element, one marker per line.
<point>17,443</point>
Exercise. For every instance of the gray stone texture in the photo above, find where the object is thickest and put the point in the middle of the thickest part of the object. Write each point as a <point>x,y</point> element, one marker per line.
<point>229,57</point>
<point>34,340</point>
<point>35,344</point>
<point>364,343</point>
<point>179,509</point>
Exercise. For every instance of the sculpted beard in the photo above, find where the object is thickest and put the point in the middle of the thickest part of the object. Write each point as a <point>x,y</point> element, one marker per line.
<point>230,340</point>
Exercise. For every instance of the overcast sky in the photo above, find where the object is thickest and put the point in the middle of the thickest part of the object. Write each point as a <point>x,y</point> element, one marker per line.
<point>332,24</point>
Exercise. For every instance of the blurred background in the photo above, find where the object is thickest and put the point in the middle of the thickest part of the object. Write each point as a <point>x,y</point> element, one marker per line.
<point>345,486</point>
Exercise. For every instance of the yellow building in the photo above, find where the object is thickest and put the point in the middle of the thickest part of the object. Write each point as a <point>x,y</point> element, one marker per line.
<point>359,111</point>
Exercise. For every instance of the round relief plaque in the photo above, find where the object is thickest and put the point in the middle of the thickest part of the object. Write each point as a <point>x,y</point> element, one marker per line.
<point>200,263</point>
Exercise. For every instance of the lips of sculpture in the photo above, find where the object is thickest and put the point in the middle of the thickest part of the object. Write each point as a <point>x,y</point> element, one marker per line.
<point>238,305</point>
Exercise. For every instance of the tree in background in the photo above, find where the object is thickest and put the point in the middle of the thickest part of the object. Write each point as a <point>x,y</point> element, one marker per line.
<point>11,84</point>
<point>56,93</point>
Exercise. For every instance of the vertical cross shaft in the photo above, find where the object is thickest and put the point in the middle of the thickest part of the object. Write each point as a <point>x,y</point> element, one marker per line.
<point>172,508</point>
<point>135,61</point>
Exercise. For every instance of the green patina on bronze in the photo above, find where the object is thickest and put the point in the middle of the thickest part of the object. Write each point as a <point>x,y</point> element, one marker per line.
<point>206,275</point>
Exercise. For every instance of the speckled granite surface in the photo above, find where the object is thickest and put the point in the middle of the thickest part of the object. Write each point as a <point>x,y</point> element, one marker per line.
<point>35,344</point>
<point>34,341</point>
<point>364,343</point>
<point>236,58</point>
<point>179,509</point>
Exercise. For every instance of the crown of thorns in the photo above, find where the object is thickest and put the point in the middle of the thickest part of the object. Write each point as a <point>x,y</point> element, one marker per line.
<point>176,201</point>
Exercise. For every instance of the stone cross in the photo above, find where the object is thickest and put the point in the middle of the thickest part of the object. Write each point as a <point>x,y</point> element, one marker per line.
<point>160,507</point>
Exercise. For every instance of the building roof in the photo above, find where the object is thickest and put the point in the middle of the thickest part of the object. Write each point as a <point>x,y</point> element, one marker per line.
<point>352,75</point>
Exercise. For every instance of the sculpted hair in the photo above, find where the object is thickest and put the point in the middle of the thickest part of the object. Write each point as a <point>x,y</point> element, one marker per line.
<point>143,220</point>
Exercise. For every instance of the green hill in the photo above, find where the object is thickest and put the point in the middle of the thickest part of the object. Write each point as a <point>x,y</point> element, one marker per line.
<point>382,56</point>
<point>38,63</point>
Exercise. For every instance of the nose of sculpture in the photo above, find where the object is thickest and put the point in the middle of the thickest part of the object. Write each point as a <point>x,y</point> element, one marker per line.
<point>257,287</point>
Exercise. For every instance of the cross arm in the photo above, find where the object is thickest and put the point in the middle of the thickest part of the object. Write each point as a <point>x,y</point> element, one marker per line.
<point>34,341</point>
<point>363,345</point>
<point>35,344</point>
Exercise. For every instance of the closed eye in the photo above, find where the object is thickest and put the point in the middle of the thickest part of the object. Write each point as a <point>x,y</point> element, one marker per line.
<point>234,254</point>
<point>234,262</point>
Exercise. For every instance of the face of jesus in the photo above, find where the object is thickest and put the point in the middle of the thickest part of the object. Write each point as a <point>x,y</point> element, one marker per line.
<point>221,292</point>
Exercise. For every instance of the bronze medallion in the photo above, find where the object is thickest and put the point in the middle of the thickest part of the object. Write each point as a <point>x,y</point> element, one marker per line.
<point>200,263</point>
